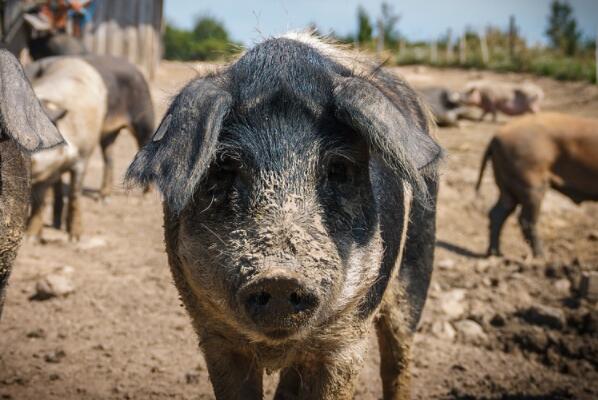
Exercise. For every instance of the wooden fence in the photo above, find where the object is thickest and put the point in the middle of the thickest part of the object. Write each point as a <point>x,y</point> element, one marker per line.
<point>127,28</point>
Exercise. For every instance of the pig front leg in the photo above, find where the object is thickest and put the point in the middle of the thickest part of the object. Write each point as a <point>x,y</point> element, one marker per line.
<point>234,376</point>
<point>35,224</point>
<point>331,379</point>
<point>394,341</point>
<point>58,204</point>
<point>73,221</point>
<point>107,144</point>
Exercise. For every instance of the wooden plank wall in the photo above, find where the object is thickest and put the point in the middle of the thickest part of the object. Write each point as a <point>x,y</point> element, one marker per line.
<point>128,28</point>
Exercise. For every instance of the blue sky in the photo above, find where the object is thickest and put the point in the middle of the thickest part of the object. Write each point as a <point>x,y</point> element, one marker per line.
<point>250,20</point>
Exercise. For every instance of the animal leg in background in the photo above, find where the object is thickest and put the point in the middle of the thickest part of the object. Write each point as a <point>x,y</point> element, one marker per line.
<point>107,143</point>
<point>528,219</point>
<point>498,215</point>
<point>35,223</point>
<point>58,204</point>
<point>73,220</point>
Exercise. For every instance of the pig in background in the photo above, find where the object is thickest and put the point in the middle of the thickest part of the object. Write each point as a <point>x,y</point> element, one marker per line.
<point>129,105</point>
<point>24,128</point>
<point>76,99</point>
<point>445,105</point>
<point>532,154</point>
<point>299,213</point>
<point>508,98</point>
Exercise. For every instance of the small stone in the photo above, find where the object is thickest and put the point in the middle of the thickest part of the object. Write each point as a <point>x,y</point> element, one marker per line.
<point>452,303</point>
<point>593,236</point>
<point>544,316</point>
<point>192,378</point>
<point>53,285</point>
<point>54,377</point>
<point>446,263</point>
<point>443,330</point>
<point>563,286</point>
<point>483,265</point>
<point>470,330</point>
<point>36,334</point>
<point>54,357</point>
<point>92,243</point>
<point>588,285</point>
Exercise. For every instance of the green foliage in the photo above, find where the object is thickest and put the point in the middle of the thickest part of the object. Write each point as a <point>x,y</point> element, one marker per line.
<point>389,20</point>
<point>562,28</point>
<point>207,41</point>
<point>364,26</point>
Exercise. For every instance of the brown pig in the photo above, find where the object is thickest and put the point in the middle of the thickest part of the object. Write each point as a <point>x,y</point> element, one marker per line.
<point>534,153</point>
<point>509,98</point>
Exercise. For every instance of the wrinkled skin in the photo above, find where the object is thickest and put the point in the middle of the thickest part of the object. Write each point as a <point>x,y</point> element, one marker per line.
<point>289,188</point>
<point>75,97</point>
<point>508,98</point>
<point>24,128</point>
<point>530,155</point>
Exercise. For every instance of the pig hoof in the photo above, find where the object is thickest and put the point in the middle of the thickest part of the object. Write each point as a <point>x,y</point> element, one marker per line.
<point>34,239</point>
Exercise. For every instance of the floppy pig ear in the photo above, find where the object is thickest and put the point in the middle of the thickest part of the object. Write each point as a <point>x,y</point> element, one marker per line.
<point>53,111</point>
<point>21,115</point>
<point>184,144</point>
<point>394,123</point>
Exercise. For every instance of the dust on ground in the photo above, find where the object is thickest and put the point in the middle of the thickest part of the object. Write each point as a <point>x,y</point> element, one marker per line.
<point>502,328</point>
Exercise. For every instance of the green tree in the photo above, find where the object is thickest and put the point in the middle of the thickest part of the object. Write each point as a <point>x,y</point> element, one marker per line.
<point>208,40</point>
<point>207,27</point>
<point>562,28</point>
<point>389,20</point>
<point>364,26</point>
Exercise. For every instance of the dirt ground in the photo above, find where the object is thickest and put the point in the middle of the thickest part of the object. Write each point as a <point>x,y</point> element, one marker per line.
<point>123,334</point>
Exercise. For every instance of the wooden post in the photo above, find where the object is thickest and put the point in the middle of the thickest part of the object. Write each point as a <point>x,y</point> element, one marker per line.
<point>484,49</point>
<point>434,52</point>
<point>462,50</point>
<point>512,35</point>
<point>402,49</point>
<point>449,46</point>
<point>129,29</point>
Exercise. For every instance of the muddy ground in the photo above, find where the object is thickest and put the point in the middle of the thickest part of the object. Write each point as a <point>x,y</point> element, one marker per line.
<point>508,328</point>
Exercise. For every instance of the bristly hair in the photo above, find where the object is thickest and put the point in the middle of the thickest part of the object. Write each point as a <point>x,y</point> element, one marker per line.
<point>379,105</point>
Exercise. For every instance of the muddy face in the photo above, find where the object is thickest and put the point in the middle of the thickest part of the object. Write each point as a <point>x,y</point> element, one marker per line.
<point>282,222</point>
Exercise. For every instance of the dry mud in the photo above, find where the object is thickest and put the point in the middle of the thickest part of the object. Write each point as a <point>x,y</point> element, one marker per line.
<point>502,328</point>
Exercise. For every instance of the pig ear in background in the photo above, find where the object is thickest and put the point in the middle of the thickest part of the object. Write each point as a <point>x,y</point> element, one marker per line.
<point>184,144</point>
<point>395,124</point>
<point>53,111</point>
<point>21,115</point>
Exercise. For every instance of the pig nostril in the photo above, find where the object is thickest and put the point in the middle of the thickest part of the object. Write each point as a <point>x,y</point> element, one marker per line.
<point>295,299</point>
<point>263,298</point>
<point>260,299</point>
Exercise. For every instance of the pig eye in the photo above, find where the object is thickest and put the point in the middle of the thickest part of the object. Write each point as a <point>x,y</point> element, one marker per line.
<point>223,174</point>
<point>339,172</point>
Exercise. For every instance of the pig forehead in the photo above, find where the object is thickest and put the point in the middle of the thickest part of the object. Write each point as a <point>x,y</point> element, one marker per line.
<point>300,138</point>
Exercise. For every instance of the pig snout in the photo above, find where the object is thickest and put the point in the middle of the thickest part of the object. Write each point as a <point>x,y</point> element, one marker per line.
<point>279,303</point>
